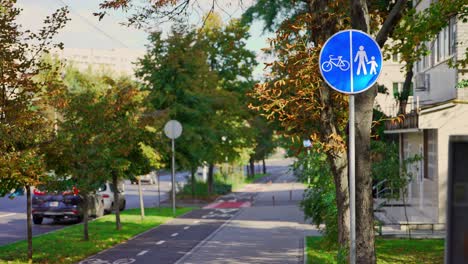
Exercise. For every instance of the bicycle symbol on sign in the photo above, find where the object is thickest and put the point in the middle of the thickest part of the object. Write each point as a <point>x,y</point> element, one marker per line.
<point>337,62</point>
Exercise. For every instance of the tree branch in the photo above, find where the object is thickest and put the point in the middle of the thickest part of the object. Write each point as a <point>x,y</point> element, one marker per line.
<point>392,19</point>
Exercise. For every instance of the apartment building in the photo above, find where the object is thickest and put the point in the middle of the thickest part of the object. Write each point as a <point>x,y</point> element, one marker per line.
<point>118,61</point>
<point>440,110</point>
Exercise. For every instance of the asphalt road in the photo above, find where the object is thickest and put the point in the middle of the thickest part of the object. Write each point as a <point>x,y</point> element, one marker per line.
<point>167,243</point>
<point>13,212</point>
<point>242,227</point>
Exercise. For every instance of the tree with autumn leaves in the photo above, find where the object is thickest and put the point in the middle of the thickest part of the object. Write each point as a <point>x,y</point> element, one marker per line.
<point>105,133</point>
<point>296,95</point>
<point>24,127</point>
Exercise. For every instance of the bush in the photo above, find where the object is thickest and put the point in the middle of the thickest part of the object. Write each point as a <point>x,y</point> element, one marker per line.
<point>222,185</point>
<point>319,203</point>
<point>201,189</point>
<point>222,188</point>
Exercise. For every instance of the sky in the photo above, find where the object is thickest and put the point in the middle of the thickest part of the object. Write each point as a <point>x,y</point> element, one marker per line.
<point>85,31</point>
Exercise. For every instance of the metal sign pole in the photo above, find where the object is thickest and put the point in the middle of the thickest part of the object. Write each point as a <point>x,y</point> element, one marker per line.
<point>173,177</point>
<point>352,168</point>
<point>173,130</point>
<point>337,68</point>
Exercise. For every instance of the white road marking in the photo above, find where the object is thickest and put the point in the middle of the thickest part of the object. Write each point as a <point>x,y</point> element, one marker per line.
<point>160,242</point>
<point>175,234</point>
<point>187,227</point>
<point>6,215</point>
<point>142,253</point>
<point>188,254</point>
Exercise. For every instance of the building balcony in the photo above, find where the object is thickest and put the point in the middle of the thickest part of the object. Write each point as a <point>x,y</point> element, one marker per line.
<point>406,121</point>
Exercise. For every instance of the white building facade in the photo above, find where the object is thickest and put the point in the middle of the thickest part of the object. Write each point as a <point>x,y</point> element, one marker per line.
<point>440,110</point>
<point>117,61</point>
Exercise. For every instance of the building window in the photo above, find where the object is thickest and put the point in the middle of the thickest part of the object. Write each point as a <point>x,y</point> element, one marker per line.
<point>395,57</point>
<point>433,49</point>
<point>452,35</point>
<point>396,90</point>
<point>430,154</point>
<point>446,42</point>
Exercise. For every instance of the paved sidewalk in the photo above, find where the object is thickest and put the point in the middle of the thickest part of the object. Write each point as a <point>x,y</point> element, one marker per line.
<point>271,231</point>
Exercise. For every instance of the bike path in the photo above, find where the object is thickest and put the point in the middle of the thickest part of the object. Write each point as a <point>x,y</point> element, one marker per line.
<point>169,242</point>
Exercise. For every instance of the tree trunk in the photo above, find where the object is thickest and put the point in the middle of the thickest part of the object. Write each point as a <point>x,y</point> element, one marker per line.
<point>364,201</point>
<point>140,195</point>
<point>210,178</point>
<point>365,251</point>
<point>406,89</point>
<point>29,223</point>
<point>252,167</point>
<point>85,217</point>
<point>264,166</point>
<point>339,168</point>
<point>192,171</point>
<point>118,225</point>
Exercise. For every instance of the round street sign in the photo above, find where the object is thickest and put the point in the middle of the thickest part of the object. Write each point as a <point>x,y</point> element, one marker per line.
<point>350,61</point>
<point>173,129</point>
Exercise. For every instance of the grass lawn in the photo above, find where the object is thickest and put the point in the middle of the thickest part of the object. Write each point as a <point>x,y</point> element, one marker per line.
<point>424,251</point>
<point>66,245</point>
<point>256,177</point>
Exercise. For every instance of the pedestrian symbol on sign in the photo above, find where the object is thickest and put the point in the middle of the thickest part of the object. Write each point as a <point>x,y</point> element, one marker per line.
<point>362,56</point>
<point>374,65</point>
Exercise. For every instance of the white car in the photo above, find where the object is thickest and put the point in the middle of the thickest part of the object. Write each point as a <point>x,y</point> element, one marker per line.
<point>150,178</point>
<point>107,192</point>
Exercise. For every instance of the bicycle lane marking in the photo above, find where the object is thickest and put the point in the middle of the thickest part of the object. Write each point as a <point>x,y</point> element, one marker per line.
<point>101,261</point>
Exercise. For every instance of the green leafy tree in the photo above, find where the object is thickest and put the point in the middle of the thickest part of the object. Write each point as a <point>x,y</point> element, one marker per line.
<point>123,131</point>
<point>100,134</point>
<point>233,63</point>
<point>77,151</point>
<point>176,73</point>
<point>24,127</point>
<point>263,140</point>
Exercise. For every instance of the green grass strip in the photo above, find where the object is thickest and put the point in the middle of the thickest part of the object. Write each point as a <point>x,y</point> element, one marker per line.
<point>424,251</point>
<point>256,177</point>
<point>67,246</point>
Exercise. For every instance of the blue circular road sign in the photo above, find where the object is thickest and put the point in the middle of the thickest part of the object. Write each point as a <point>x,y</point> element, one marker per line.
<point>350,61</point>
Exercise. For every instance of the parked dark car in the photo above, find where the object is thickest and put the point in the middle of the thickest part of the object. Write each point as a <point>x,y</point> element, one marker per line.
<point>65,205</point>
